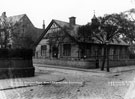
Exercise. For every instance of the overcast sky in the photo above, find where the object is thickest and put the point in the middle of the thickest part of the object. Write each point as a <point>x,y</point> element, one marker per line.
<point>39,10</point>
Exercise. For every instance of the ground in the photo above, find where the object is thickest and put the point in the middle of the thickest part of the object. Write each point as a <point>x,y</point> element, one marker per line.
<point>57,83</point>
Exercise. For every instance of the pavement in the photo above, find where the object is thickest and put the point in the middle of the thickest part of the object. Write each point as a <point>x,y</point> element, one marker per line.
<point>112,70</point>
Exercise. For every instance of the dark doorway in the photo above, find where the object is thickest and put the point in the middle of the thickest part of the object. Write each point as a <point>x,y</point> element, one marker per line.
<point>54,52</point>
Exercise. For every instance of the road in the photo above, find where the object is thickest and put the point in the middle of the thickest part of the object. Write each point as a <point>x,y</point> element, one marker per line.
<point>75,85</point>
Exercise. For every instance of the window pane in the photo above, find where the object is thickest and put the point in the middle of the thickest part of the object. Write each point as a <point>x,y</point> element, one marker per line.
<point>67,49</point>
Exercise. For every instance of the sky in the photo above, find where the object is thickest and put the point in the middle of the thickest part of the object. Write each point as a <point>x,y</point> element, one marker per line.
<point>83,10</point>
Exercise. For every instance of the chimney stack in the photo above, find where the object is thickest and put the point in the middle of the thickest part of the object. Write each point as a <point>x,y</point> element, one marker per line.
<point>72,20</point>
<point>43,24</point>
<point>4,14</point>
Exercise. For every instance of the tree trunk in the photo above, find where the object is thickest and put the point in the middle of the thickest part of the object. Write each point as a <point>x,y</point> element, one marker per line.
<point>108,59</point>
<point>104,58</point>
<point>97,57</point>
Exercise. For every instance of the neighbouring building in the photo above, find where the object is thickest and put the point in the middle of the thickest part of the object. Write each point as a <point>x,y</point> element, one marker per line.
<point>59,41</point>
<point>21,26</point>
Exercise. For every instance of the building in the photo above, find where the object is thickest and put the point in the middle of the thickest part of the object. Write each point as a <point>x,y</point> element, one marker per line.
<point>22,33</point>
<point>59,40</point>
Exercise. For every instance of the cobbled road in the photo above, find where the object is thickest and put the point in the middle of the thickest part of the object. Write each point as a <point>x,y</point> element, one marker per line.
<point>75,85</point>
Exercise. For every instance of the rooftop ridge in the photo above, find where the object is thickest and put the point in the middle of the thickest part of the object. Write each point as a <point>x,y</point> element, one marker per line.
<point>16,15</point>
<point>64,22</point>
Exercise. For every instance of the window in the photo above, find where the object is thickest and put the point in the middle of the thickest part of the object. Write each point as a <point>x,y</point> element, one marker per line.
<point>115,54</point>
<point>43,50</point>
<point>66,49</point>
<point>88,53</point>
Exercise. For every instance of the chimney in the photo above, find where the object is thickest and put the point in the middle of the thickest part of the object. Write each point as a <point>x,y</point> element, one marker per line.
<point>4,14</point>
<point>43,24</point>
<point>72,20</point>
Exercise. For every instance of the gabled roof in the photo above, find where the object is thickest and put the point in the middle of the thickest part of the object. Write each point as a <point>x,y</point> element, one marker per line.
<point>14,19</point>
<point>61,23</point>
<point>114,41</point>
<point>72,32</point>
<point>38,32</point>
<point>17,19</point>
<point>118,41</point>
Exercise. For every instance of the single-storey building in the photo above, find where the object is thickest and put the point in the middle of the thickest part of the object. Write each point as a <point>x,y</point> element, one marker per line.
<point>59,41</point>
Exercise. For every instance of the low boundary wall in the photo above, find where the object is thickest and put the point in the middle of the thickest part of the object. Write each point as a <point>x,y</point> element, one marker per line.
<point>87,64</point>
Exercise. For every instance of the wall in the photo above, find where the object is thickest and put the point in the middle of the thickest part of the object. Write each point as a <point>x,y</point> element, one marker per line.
<point>83,63</point>
<point>16,63</point>
<point>69,63</point>
<point>16,67</point>
<point>122,62</point>
<point>38,48</point>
